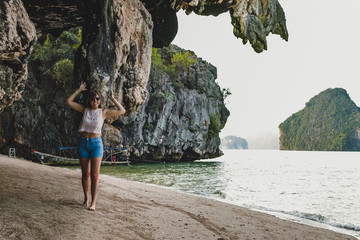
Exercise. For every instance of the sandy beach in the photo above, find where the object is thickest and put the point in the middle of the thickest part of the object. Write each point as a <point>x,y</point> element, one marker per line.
<point>42,202</point>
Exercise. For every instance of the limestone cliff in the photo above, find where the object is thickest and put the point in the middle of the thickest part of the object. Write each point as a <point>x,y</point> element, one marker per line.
<point>115,54</point>
<point>329,122</point>
<point>181,118</point>
<point>115,51</point>
<point>114,32</point>
<point>179,121</point>
<point>252,20</point>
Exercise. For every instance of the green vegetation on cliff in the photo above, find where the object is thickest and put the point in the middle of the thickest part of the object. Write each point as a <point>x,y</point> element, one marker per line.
<point>56,56</point>
<point>329,122</point>
<point>174,62</point>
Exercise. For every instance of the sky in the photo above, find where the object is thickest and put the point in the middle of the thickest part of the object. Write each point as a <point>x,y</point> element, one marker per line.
<point>322,52</point>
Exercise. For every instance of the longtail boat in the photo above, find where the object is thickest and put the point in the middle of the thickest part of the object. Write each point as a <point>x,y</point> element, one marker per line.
<point>112,156</point>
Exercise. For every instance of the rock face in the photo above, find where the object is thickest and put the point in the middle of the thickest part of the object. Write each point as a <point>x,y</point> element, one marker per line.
<point>233,142</point>
<point>115,54</point>
<point>17,36</point>
<point>106,25</point>
<point>329,122</point>
<point>252,20</point>
<point>55,16</point>
<point>180,119</point>
<point>40,118</point>
<point>116,51</point>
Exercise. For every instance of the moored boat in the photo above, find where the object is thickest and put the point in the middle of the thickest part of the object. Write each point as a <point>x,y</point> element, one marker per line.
<point>112,156</point>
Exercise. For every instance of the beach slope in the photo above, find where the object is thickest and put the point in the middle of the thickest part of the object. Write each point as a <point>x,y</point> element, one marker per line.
<point>42,202</point>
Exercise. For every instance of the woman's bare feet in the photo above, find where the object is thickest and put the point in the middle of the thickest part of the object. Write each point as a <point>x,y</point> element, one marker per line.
<point>85,203</point>
<point>92,207</point>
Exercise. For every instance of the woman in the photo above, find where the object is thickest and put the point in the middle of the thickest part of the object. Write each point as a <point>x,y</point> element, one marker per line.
<point>91,146</point>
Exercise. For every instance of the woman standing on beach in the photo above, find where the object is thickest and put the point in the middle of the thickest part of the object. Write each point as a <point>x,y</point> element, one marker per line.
<point>91,146</point>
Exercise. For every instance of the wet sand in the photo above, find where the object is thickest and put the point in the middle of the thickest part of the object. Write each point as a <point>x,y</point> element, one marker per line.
<point>42,202</point>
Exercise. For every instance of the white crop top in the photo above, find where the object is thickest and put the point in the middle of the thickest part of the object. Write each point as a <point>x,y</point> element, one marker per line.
<point>92,121</point>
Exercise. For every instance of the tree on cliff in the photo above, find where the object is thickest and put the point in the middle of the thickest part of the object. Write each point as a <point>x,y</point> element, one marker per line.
<point>56,56</point>
<point>329,122</point>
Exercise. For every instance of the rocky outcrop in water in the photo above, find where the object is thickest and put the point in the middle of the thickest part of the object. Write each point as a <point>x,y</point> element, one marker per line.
<point>330,121</point>
<point>233,142</point>
<point>182,117</point>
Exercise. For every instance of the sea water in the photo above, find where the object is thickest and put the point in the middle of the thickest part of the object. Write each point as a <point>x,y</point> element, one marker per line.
<point>316,188</point>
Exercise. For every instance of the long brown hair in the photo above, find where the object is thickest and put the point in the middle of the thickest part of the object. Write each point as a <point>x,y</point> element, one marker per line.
<point>91,95</point>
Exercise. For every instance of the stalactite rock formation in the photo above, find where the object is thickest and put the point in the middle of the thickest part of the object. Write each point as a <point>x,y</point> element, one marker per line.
<point>252,20</point>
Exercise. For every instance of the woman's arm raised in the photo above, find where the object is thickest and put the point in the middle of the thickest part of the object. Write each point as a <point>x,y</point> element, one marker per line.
<point>114,113</point>
<point>74,105</point>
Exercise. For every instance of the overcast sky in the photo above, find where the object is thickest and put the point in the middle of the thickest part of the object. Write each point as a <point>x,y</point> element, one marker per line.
<point>322,52</point>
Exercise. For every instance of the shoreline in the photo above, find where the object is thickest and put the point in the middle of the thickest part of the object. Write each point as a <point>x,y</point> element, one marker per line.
<point>42,202</point>
<point>276,213</point>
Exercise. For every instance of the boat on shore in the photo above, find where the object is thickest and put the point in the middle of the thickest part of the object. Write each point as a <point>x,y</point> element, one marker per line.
<point>112,156</point>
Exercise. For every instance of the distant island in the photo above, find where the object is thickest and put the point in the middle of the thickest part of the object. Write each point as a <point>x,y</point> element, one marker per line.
<point>330,121</point>
<point>266,140</point>
<point>233,142</point>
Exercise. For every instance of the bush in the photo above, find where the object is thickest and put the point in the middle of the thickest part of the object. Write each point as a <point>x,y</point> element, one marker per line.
<point>43,52</point>
<point>225,92</point>
<point>157,61</point>
<point>179,62</point>
<point>182,61</point>
<point>48,51</point>
<point>62,72</point>
<point>215,125</point>
<point>56,56</point>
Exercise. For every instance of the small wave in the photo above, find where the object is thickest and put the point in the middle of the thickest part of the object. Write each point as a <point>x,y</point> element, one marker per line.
<point>322,219</point>
<point>309,216</point>
<point>348,226</point>
<point>219,193</point>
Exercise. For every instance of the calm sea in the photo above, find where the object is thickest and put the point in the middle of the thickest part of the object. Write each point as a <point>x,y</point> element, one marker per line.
<point>316,188</point>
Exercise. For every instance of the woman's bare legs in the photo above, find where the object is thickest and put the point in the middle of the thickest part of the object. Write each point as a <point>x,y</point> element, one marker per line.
<point>85,177</point>
<point>95,171</point>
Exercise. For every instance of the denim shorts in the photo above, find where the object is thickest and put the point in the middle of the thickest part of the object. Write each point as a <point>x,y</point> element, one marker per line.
<point>91,148</point>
